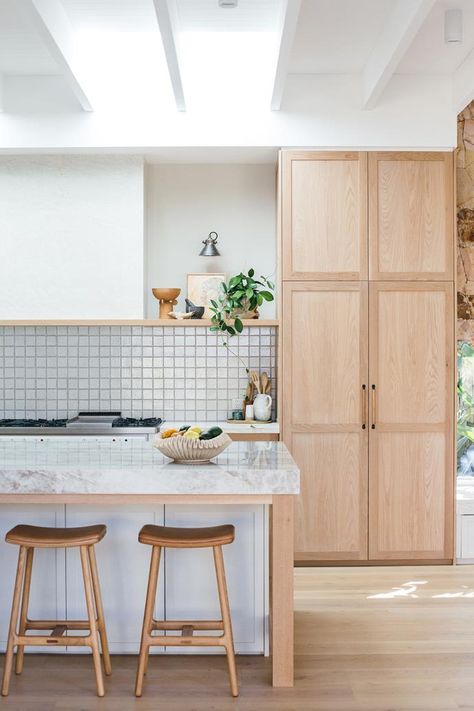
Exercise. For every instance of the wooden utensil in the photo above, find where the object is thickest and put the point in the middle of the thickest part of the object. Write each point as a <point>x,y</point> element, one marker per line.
<point>255,380</point>
<point>264,380</point>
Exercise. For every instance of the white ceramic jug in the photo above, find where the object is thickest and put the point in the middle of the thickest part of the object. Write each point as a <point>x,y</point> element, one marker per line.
<point>262,407</point>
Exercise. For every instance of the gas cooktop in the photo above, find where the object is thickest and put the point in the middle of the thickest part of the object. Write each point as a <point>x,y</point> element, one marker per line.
<point>85,423</point>
<point>33,423</point>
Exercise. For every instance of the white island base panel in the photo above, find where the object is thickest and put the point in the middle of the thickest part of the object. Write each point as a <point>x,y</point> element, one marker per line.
<point>187,587</point>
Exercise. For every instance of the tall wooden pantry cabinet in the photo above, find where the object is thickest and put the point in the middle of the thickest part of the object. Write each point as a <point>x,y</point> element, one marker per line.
<point>367,352</point>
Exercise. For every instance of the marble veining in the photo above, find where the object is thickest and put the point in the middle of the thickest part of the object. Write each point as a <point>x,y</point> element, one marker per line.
<point>136,467</point>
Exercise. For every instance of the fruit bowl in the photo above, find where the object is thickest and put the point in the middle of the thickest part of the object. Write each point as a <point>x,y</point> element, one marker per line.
<point>192,451</point>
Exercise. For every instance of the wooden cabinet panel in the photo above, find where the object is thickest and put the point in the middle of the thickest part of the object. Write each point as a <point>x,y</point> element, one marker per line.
<point>411,216</point>
<point>407,496</point>
<point>411,415</point>
<point>324,215</point>
<point>324,353</point>
<point>331,511</point>
<point>410,355</point>
<point>324,363</point>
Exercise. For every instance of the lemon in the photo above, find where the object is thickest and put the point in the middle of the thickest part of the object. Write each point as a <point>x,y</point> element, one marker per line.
<point>191,434</point>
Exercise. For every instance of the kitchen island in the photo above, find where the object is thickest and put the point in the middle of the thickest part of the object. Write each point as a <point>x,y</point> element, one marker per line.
<point>128,483</point>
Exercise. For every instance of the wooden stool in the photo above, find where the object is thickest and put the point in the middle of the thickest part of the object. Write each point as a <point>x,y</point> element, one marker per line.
<point>165,537</point>
<point>29,538</point>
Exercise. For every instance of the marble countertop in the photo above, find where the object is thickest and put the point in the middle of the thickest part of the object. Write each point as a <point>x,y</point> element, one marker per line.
<point>135,467</point>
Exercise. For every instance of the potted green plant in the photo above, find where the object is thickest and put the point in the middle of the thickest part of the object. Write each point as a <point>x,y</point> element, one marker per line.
<point>240,298</point>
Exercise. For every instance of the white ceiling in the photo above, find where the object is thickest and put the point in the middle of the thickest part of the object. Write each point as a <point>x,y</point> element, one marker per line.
<point>429,54</point>
<point>225,56</point>
<point>207,16</point>
<point>111,15</point>
<point>337,36</point>
<point>21,49</point>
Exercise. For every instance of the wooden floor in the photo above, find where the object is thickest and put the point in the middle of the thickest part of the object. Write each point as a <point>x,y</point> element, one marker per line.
<point>367,639</point>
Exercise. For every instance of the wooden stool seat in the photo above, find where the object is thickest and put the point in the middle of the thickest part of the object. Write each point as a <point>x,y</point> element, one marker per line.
<point>43,537</point>
<point>169,537</point>
<point>178,633</point>
<point>55,632</point>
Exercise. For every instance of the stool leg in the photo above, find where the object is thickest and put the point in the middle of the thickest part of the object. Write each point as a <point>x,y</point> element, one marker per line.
<point>20,652</point>
<point>20,571</point>
<point>94,636</point>
<point>148,618</point>
<point>100,612</point>
<point>226,619</point>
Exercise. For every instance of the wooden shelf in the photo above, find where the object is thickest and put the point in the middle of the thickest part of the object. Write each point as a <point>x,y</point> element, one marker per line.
<point>173,323</point>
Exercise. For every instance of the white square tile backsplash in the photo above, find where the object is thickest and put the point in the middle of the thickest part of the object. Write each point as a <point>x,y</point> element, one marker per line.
<point>55,371</point>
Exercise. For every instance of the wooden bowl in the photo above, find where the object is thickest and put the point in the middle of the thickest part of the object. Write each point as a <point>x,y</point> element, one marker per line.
<point>166,294</point>
<point>192,451</point>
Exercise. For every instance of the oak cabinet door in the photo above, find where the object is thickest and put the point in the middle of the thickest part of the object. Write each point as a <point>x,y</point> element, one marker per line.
<point>324,215</point>
<point>411,421</point>
<point>324,361</point>
<point>411,219</point>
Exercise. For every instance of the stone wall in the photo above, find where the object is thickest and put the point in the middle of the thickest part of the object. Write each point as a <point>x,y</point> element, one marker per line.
<point>465,223</point>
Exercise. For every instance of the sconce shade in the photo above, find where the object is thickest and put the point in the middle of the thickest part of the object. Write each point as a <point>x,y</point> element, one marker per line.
<point>210,249</point>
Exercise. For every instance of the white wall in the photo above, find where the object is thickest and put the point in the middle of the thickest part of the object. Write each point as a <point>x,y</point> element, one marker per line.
<point>71,237</point>
<point>186,202</point>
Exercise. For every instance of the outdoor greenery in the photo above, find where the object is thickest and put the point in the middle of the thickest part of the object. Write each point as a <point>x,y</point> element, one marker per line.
<point>465,389</point>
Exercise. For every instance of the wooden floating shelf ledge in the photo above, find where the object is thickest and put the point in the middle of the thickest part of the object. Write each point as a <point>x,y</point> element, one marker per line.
<point>168,322</point>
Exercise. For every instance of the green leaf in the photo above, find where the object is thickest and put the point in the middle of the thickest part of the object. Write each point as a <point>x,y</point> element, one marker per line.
<point>267,296</point>
<point>260,299</point>
<point>249,293</point>
<point>234,281</point>
<point>238,325</point>
<point>231,330</point>
<point>251,272</point>
<point>214,328</point>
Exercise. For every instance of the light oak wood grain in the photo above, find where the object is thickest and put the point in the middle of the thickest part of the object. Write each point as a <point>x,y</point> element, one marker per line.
<point>366,639</point>
<point>281,591</point>
<point>331,512</point>
<point>411,444</point>
<point>411,210</point>
<point>324,215</point>
<point>325,365</point>
<point>167,322</point>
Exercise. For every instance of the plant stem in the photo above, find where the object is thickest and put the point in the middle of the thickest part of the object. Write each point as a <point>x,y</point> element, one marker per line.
<point>236,355</point>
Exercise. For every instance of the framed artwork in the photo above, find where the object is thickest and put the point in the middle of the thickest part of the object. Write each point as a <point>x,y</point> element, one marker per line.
<point>203,287</point>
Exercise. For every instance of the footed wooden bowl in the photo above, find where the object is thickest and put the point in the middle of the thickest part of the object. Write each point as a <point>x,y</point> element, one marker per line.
<point>166,294</point>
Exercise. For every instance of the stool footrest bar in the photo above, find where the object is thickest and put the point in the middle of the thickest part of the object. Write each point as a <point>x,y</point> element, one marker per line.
<point>175,641</point>
<point>51,624</point>
<point>179,624</point>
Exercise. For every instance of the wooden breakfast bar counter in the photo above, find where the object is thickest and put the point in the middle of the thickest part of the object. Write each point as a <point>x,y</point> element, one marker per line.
<point>133,472</point>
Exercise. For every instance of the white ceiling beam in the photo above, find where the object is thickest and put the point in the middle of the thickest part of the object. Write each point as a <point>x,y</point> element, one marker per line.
<point>167,22</point>
<point>463,84</point>
<point>288,22</point>
<point>396,37</point>
<point>52,23</point>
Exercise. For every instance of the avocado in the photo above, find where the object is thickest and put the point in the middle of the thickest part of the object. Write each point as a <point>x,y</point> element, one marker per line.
<point>211,433</point>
